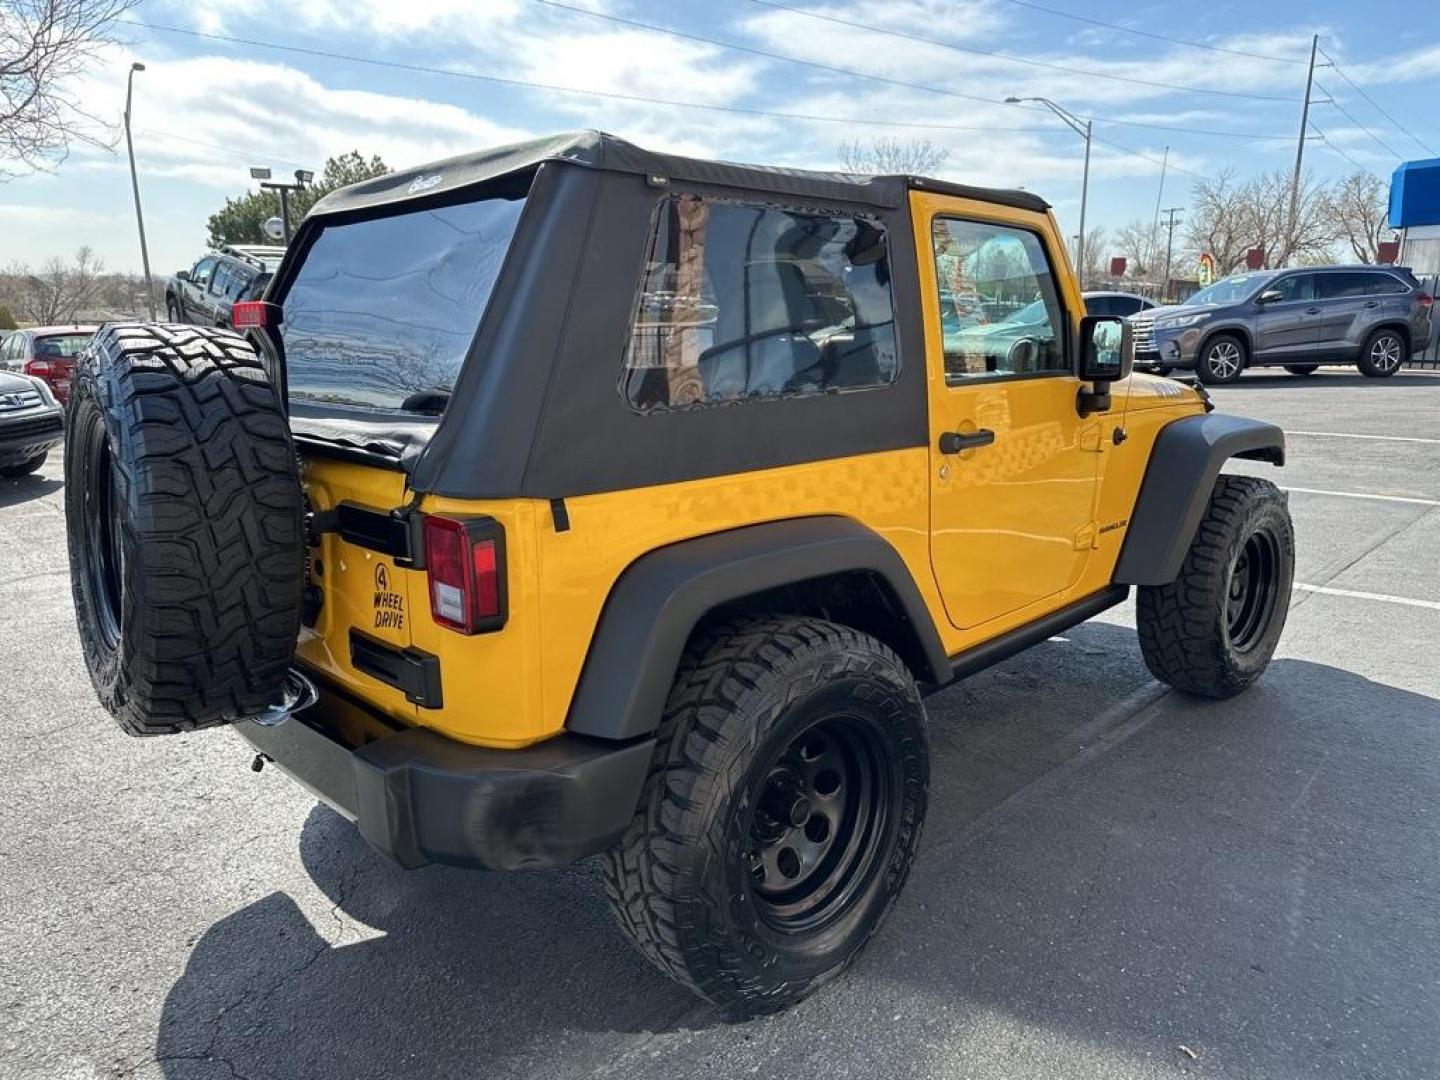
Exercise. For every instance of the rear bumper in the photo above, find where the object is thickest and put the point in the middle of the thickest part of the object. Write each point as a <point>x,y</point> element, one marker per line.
<point>419,797</point>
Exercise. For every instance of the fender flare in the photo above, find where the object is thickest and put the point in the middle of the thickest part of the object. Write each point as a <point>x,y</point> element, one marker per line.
<point>1184,464</point>
<point>660,597</point>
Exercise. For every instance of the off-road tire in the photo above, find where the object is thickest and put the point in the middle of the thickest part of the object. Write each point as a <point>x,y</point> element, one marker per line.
<point>1371,363</point>
<point>13,470</point>
<point>184,525</point>
<point>1302,369</point>
<point>1186,626</point>
<point>1207,362</point>
<point>680,882</point>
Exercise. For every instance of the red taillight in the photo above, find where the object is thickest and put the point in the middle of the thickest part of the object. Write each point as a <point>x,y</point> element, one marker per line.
<point>250,315</point>
<point>465,565</point>
<point>37,367</point>
<point>1425,300</point>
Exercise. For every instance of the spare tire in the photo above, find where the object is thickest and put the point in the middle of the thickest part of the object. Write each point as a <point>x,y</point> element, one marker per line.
<point>185,524</point>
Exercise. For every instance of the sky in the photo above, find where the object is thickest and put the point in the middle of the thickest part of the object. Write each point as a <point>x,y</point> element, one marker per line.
<point>208,106</point>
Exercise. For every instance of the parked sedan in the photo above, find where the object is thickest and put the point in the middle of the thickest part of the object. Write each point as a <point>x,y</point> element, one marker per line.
<point>48,353</point>
<point>31,422</point>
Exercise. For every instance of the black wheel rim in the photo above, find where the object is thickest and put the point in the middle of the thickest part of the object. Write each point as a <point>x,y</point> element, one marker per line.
<point>818,827</point>
<point>1254,585</point>
<point>104,536</point>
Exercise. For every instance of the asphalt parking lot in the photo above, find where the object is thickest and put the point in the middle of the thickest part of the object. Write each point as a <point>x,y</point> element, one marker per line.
<point>1115,881</point>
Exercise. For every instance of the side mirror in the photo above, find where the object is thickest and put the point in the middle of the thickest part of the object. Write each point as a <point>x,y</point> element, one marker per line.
<point>1107,354</point>
<point>1269,296</point>
<point>182,275</point>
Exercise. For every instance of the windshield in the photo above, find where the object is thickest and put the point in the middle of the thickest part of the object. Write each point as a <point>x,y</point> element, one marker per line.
<point>1030,313</point>
<point>383,311</point>
<point>1230,290</point>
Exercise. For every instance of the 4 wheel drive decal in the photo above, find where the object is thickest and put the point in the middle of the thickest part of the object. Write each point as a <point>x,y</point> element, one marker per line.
<point>389,606</point>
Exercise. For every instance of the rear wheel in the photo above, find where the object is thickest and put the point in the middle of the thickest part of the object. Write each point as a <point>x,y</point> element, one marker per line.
<point>1302,369</point>
<point>184,521</point>
<point>1383,354</point>
<point>1212,630</point>
<point>1221,360</point>
<point>13,470</point>
<point>781,814</point>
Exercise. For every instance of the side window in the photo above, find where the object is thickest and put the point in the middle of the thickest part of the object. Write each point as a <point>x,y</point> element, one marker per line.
<point>203,272</point>
<point>1338,286</point>
<point>742,303</point>
<point>1384,285</point>
<point>240,280</point>
<point>1102,305</point>
<point>220,283</point>
<point>1296,287</point>
<point>1000,312</point>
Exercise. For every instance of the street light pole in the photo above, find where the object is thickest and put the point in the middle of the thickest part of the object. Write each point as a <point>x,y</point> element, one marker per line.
<point>1084,130</point>
<point>302,177</point>
<point>135,187</point>
<point>1169,211</point>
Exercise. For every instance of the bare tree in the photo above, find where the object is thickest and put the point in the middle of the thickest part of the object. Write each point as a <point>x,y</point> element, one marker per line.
<point>56,293</point>
<point>1097,264</point>
<point>1142,245</point>
<point>887,156</point>
<point>1359,210</point>
<point>1228,218</point>
<point>44,44</point>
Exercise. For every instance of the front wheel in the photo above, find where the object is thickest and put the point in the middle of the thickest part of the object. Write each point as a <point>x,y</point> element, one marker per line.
<point>1221,360</point>
<point>1383,353</point>
<point>781,813</point>
<point>1212,630</point>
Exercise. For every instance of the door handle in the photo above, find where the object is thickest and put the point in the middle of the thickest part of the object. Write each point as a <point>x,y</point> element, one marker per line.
<point>1312,311</point>
<point>952,442</point>
<point>1372,303</point>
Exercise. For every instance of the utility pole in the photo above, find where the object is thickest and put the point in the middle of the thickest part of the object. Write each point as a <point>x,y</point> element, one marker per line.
<point>1085,132</point>
<point>1300,148</point>
<point>1169,211</point>
<point>1155,224</point>
<point>135,187</point>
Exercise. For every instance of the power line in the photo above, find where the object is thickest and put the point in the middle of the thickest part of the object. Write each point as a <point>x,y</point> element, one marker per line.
<point>1146,157</point>
<point>1153,37</point>
<point>1329,145</point>
<point>530,85</point>
<point>1376,105</point>
<point>1378,141</point>
<point>739,110</point>
<point>1087,73</point>
<point>239,153</point>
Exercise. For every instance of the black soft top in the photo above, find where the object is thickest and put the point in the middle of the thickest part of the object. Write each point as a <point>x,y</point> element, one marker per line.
<point>597,150</point>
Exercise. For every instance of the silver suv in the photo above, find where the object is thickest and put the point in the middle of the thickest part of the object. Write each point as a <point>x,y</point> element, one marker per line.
<point>1370,316</point>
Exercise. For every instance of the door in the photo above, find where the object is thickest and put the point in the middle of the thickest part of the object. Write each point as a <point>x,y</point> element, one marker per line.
<point>1287,329</point>
<point>1012,488</point>
<point>1346,307</point>
<point>197,291</point>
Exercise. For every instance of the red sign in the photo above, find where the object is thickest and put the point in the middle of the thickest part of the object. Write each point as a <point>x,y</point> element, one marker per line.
<point>1255,258</point>
<point>1387,251</point>
<point>1117,266</point>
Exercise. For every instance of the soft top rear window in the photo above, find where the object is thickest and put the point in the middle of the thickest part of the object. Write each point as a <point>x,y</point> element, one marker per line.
<point>382,312</point>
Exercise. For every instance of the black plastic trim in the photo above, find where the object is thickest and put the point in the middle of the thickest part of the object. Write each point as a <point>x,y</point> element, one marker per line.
<point>1184,463</point>
<point>412,671</point>
<point>658,600</point>
<point>419,797</point>
<point>376,530</point>
<point>1022,637</point>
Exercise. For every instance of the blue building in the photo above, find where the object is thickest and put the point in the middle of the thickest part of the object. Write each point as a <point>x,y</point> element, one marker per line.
<point>1415,214</point>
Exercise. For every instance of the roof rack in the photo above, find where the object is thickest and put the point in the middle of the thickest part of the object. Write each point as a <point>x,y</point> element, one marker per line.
<point>260,256</point>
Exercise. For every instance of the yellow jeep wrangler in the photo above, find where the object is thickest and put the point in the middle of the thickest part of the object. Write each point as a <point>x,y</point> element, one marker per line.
<point>570,499</point>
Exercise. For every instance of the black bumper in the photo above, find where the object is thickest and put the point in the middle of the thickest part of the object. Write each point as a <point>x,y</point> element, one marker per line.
<point>25,435</point>
<point>419,797</point>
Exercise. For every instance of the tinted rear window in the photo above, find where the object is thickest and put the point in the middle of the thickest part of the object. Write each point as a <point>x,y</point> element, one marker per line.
<point>66,346</point>
<point>383,311</point>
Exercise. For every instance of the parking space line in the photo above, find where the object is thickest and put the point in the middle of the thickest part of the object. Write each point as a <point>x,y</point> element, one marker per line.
<point>1365,495</point>
<point>1356,435</point>
<point>1356,594</point>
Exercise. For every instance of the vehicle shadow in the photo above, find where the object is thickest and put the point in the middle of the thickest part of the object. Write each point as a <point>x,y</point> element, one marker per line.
<point>1119,866</point>
<point>1326,379</point>
<point>27,489</point>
